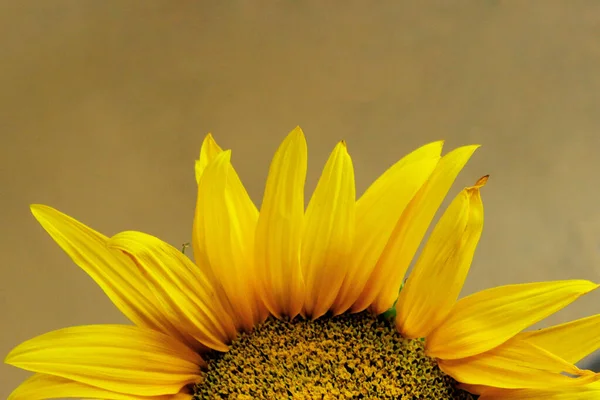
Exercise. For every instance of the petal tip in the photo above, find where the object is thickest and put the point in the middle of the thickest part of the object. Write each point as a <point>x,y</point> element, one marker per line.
<point>590,285</point>
<point>10,357</point>
<point>471,147</point>
<point>296,137</point>
<point>464,151</point>
<point>439,143</point>
<point>209,145</point>
<point>225,156</point>
<point>481,182</point>
<point>36,208</point>
<point>41,211</point>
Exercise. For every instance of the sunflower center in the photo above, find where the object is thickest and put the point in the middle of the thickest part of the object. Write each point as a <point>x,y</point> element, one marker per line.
<point>352,356</point>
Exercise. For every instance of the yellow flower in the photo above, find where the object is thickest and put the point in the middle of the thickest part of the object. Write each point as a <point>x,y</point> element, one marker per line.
<point>288,302</point>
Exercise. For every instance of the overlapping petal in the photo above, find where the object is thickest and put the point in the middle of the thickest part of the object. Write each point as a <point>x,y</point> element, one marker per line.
<point>377,212</point>
<point>185,293</point>
<point>486,319</point>
<point>440,272</point>
<point>42,386</point>
<point>584,392</point>
<point>208,151</point>
<point>116,358</point>
<point>410,229</point>
<point>113,271</point>
<point>224,234</point>
<point>516,364</point>
<point>339,255</point>
<point>571,341</point>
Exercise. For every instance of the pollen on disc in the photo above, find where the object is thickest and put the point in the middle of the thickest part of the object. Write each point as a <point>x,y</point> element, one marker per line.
<point>352,356</point>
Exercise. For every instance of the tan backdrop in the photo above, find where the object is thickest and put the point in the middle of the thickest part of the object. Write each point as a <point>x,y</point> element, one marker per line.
<point>103,106</point>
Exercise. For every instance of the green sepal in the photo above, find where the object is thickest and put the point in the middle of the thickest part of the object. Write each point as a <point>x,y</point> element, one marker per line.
<point>391,313</point>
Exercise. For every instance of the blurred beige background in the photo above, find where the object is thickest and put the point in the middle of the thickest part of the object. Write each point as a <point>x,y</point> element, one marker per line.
<point>104,104</point>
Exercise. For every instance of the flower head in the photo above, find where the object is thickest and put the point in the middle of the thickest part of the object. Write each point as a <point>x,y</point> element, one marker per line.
<point>289,302</point>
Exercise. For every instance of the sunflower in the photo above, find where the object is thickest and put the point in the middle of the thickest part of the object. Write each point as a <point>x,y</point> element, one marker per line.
<point>295,303</point>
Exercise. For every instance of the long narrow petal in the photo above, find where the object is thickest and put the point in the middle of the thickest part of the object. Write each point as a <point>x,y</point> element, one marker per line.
<point>118,358</point>
<point>572,341</point>
<point>410,229</point>
<point>279,228</point>
<point>440,272</point>
<point>584,392</point>
<point>184,291</point>
<point>377,212</point>
<point>329,231</point>
<point>514,365</point>
<point>226,227</point>
<point>113,271</point>
<point>489,392</point>
<point>42,386</point>
<point>486,319</point>
<point>209,150</point>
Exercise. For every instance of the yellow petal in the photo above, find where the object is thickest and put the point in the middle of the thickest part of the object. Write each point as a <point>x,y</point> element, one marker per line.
<point>209,150</point>
<point>118,358</point>
<point>184,292</point>
<point>570,392</point>
<point>585,392</point>
<point>440,272</point>
<point>328,233</point>
<point>514,365</point>
<point>279,229</point>
<point>113,271</point>
<point>571,341</point>
<point>476,389</point>
<point>410,229</point>
<point>377,212</point>
<point>41,386</point>
<point>225,232</point>
<point>486,319</point>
